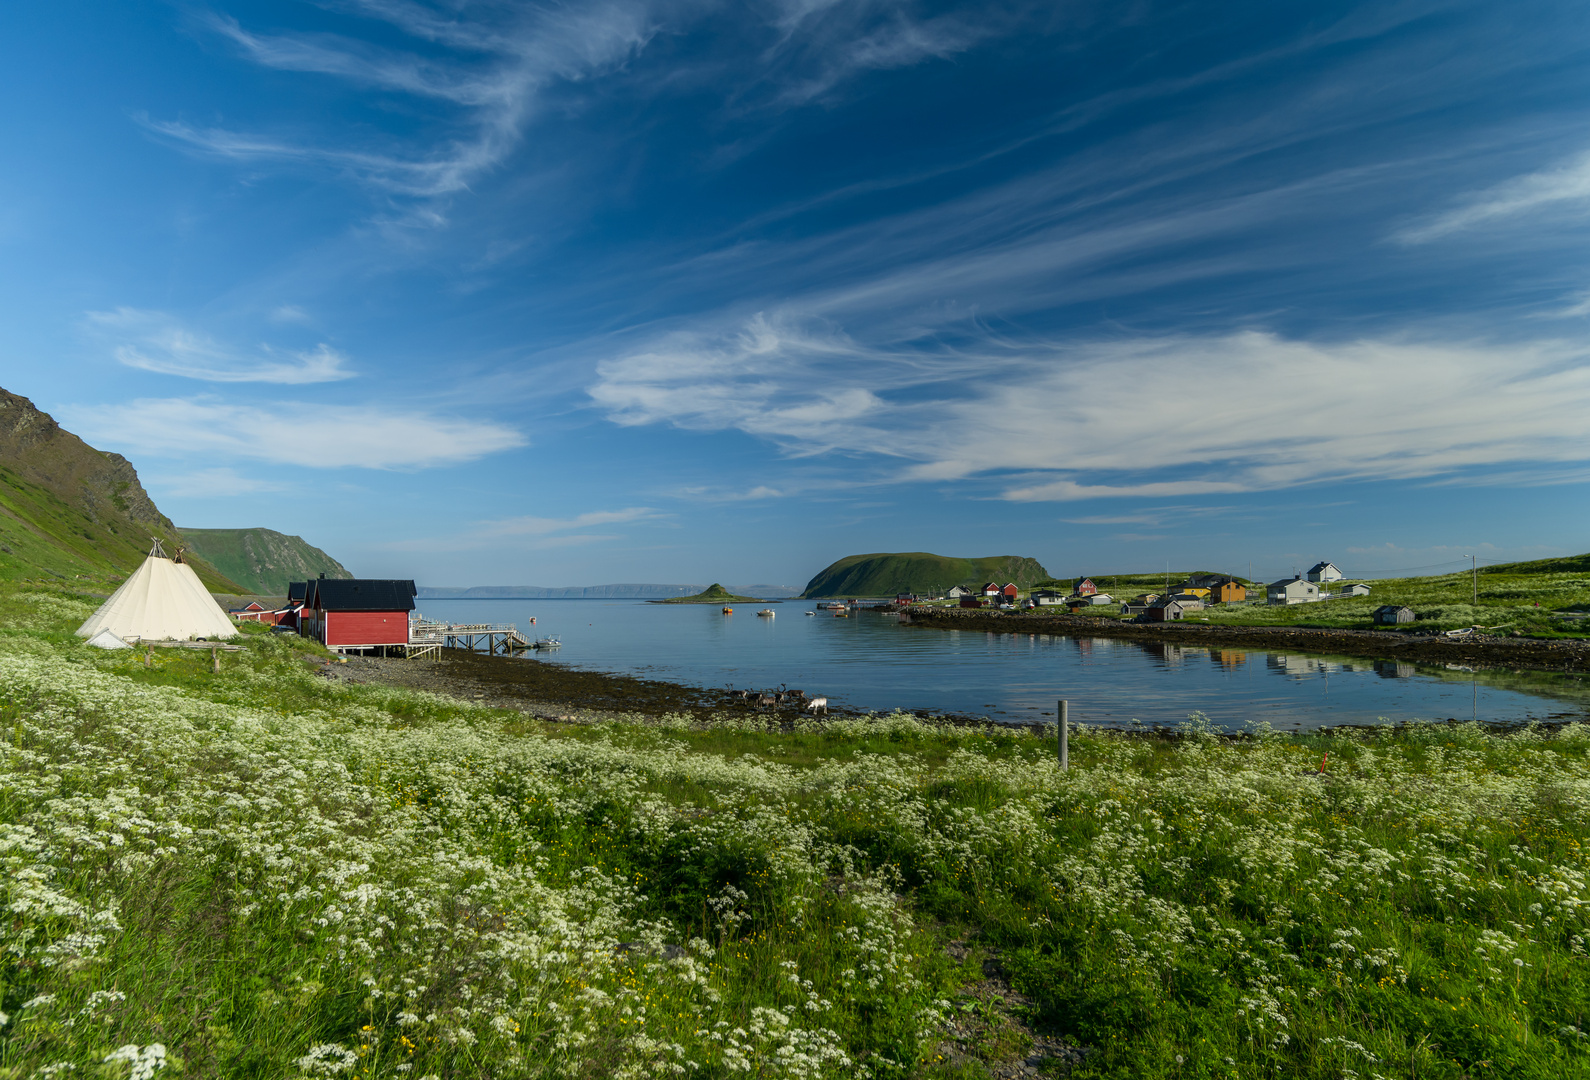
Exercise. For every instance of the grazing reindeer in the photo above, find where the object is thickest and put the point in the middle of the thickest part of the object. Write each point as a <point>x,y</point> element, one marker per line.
<point>796,695</point>
<point>818,703</point>
<point>765,699</point>
<point>741,695</point>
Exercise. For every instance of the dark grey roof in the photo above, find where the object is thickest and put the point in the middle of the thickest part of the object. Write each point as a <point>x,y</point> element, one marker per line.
<point>295,591</point>
<point>361,594</point>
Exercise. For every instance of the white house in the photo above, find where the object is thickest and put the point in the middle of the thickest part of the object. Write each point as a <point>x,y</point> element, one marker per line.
<point>1292,591</point>
<point>959,591</point>
<point>1048,597</point>
<point>1358,588</point>
<point>1323,572</point>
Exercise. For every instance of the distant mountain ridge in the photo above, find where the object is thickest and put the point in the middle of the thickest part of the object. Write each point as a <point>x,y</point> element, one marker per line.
<point>69,510</point>
<point>891,573</point>
<point>592,592</point>
<point>263,561</point>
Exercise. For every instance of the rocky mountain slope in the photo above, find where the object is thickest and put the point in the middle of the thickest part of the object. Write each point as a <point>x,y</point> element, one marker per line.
<point>70,511</point>
<point>263,561</point>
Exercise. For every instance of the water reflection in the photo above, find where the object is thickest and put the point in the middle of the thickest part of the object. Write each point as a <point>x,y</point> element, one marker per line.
<point>868,662</point>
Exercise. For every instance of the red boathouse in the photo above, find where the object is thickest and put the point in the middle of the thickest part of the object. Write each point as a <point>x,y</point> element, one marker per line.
<point>357,613</point>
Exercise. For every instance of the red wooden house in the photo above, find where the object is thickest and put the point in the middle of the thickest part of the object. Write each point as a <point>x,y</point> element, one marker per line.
<point>357,613</point>
<point>1085,587</point>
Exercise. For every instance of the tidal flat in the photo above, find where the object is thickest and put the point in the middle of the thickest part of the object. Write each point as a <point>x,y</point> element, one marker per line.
<point>264,871</point>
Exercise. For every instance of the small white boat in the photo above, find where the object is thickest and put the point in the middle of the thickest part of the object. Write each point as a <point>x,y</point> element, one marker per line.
<point>547,643</point>
<point>811,613</point>
<point>765,613</point>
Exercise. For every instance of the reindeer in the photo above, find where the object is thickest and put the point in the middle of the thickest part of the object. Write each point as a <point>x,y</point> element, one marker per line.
<point>765,699</point>
<point>739,695</point>
<point>818,703</point>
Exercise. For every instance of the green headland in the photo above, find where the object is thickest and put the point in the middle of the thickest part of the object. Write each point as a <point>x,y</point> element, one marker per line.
<point>712,594</point>
<point>888,574</point>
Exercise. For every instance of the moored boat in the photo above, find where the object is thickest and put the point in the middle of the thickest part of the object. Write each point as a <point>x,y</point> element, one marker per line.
<point>765,613</point>
<point>728,610</point>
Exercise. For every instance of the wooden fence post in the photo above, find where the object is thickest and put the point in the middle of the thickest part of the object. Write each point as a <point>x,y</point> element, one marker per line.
<point>215,660</point>
<point>1065,735</point>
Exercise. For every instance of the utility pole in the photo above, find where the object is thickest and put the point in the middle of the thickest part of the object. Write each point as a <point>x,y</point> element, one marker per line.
<point>1475,564</point>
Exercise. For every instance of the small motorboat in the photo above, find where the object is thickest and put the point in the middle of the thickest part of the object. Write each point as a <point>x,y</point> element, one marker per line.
<point>766,613</point>
<point>547,643</point>
<point>728,610</point>
<point>811,613</point>
<point>841,614</point>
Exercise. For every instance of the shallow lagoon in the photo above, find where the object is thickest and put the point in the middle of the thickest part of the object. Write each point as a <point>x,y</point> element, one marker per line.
<point>870,662</point>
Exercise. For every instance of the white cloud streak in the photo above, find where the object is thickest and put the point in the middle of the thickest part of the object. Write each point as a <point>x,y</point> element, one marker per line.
<point>291,433</point>
<point>1564,187</point>
<point>155,341</point>
<point>493,65</point>
<point>493,88</point>
<point>210,483</point>
<point>529,533</point>
<point>1150,417</point>
<point>540,526</point>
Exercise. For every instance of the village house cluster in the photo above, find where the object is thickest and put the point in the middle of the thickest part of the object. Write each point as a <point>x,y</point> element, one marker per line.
<point>1194,594</point>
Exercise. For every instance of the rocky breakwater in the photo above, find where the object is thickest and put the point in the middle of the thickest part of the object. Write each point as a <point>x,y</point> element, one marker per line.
<point>1475,650</point>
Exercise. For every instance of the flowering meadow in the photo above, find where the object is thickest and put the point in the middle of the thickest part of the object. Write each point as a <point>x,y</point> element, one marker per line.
<point>265,873</point>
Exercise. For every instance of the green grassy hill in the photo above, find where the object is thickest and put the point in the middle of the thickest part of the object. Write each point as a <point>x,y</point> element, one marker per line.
<point>886,574</point>
<point>70,511</point>
<point>263,561</point>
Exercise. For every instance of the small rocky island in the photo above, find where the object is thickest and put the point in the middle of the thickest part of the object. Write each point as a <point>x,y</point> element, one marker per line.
<point>712,594</point>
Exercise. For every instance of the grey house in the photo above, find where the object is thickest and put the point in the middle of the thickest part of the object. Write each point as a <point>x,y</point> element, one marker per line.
<point>1355,589</point>
<point>1324,572</point>
<point>1390,614</point>
<point>959,591</point>
<point>1170,610</point>
<point>1292,590</point>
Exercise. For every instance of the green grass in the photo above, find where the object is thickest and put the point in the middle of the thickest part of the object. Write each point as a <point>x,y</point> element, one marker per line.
<point>272,875</point>
<point>1525,599</point>
<point>1508,599</point>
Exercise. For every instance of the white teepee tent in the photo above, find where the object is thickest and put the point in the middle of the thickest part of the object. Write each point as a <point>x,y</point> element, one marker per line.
<point>162,600</point>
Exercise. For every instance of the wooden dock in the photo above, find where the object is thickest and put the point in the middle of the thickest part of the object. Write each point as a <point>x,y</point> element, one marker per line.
<point>493,639</point>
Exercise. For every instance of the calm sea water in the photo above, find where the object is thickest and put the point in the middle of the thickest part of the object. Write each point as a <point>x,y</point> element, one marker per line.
<point>871,662</point>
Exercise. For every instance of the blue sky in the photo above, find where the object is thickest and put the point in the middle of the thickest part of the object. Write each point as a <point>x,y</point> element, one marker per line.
<point>491,293</point>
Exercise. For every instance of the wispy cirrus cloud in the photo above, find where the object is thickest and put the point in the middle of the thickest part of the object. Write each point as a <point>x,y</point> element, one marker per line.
<point>1059,422</point>
<point>494,66</point>
<point>487,69</point>
<point>211,483</point>
<point>543,526</point>
<point>342,436</point>
<point>158,342</point>
<point>530,533</point>
<point>1564,187</point>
